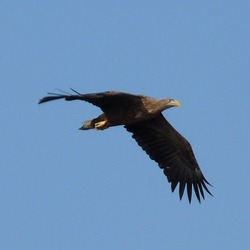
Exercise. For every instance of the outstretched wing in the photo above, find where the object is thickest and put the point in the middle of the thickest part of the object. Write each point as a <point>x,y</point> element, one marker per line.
<point>173,154</point>
<point>103,100</point>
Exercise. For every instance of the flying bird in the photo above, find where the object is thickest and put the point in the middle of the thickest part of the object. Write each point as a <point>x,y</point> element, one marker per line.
<point>142,116</point>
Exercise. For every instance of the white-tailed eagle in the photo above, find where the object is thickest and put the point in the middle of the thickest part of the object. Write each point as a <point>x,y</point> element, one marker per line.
<point>142,116</point>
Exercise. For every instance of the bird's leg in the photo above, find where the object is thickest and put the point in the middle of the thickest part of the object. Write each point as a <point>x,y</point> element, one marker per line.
<point>99,123</point>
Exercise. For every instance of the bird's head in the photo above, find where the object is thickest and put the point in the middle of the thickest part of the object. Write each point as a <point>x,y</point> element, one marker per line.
<point>168,103</point>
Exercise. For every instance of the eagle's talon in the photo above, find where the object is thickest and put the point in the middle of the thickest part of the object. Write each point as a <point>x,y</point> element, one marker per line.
<point>101,125</point>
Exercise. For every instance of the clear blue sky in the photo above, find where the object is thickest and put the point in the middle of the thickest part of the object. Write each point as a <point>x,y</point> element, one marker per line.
<point>61,188</point>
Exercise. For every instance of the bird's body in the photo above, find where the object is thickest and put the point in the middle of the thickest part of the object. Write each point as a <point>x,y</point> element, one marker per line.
<point>141,115</point>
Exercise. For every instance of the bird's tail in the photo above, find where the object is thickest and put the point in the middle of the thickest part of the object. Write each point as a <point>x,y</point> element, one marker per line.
<point>87,125</point>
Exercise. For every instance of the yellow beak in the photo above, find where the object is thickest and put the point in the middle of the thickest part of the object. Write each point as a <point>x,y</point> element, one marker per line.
<point>175,103</point>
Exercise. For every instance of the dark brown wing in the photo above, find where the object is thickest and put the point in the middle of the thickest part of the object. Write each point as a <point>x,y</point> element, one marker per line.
<point>172,152</point>
<point>103,100</point>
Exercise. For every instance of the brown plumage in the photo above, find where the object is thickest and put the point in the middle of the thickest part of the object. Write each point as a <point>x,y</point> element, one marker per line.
<point>141,115</point>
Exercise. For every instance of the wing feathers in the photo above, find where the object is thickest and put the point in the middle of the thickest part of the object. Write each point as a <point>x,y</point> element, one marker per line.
<point>103,100</point>
<point>173,154</point>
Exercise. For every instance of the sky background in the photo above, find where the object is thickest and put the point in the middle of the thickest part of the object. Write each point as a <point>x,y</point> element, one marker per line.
<point>61,188</point>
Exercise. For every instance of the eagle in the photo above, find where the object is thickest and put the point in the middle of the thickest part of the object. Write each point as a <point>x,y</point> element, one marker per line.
<point>142,116</point>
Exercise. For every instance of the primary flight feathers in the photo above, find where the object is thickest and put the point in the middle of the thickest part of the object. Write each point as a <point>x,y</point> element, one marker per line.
<point>142,116</point>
